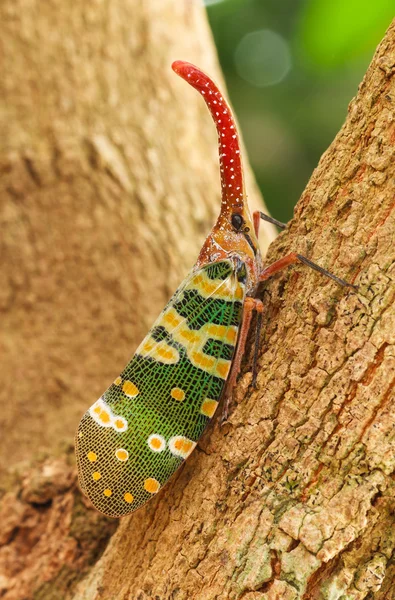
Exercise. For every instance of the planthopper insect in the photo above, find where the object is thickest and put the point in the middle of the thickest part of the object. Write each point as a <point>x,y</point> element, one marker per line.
<point>131,441</point>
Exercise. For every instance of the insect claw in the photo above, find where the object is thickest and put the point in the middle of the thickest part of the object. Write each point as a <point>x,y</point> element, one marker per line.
<point>223,421</point>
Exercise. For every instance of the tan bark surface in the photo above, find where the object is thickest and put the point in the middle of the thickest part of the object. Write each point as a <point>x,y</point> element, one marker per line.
<point>109,184</point>
<point>294,497</point>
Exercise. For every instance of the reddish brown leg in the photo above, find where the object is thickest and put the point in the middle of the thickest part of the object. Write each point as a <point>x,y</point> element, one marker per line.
<point>293,258</point>
<point>250,305</point>
<point>280,264</point>
<point>258,215</point>
<point>258,330</point>
<point>256,218</point>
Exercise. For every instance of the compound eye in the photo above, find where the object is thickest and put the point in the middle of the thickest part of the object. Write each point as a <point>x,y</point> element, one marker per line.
<point>237,221</point>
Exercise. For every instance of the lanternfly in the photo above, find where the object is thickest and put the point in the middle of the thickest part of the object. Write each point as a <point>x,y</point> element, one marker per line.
<point>131,441</point>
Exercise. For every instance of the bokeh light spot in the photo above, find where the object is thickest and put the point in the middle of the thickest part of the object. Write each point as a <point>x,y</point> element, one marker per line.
<point>263,58</point>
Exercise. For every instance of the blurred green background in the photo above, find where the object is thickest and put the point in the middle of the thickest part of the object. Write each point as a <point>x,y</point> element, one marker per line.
<point>292,67</point>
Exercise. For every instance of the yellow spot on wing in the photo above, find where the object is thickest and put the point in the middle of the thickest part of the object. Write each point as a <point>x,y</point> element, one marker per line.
<point>239,293</point>
<point>202,360</point>
<point>216,330</point>
<point>130,389</point>
<point>151,485</point>
<point>107,493</point>
<point>177,394</point>
<point>160,351</point>
<point>171,318</point>
<point>231,336</point>
<point>228,289</point>
<point>156,442</point>
<point>96,475</point>
<point>190,336</point>
<point>122,454</point>
<point>208,288</point>
<point>128,497</point>
<point>223,368</point>
<point>209,407</point>
<point>120,424</point>
<point>165,353</point>
<point>228,334</point>
<point>92,456</point>
<point>181,446</point>
<point>105,417</point>
<point>118,381</point>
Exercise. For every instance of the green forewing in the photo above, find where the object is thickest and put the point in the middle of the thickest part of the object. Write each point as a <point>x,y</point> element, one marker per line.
<point>138,433</point>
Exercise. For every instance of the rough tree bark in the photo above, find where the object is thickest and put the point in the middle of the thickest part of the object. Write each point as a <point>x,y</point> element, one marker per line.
<point>294,497</point>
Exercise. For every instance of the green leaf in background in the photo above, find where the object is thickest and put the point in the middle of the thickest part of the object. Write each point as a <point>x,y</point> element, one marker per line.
<point>333,33</point>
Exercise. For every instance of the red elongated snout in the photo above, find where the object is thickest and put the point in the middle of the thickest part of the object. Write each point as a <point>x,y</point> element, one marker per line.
<point>234,231</point>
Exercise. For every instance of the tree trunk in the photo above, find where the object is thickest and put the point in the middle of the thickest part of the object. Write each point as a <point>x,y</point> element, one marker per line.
<point>294,497</point>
